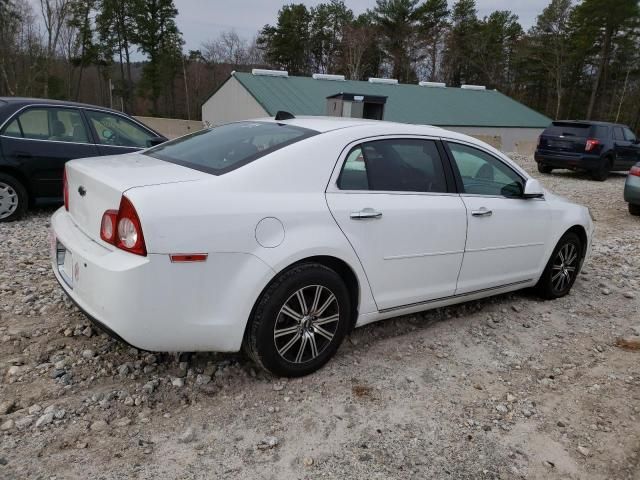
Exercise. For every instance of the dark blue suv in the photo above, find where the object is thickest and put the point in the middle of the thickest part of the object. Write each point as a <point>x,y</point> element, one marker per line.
<point>595,147</point>
<point>37,137</point>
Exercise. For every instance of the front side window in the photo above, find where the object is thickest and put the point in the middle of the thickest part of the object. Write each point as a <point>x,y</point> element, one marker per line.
<point>629,135</point>
<point>483,174</point>
<point>225,148</point>
<point>118,131</point>
<point>398,165</point>
<point>57,124</point>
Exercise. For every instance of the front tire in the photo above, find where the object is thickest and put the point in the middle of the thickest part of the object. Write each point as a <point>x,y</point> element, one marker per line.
<point>634,209</point>
<point>13,198</point>
<point>299,321</point>
<point>562,269</point>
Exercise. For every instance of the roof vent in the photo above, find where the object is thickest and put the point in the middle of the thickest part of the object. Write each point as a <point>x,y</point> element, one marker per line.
<point>433,84</point>
<point>386,81</point>
<point>473,87</point>
<point>269,73</point>
<point>326,76</point>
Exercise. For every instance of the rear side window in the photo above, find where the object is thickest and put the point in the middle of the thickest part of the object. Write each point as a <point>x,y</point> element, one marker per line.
<point>222,149</point>
<point>600,132</point>
<point>399,165</point>
<point>56,124</point>
<point>559,129</point>
<point>618,133</point>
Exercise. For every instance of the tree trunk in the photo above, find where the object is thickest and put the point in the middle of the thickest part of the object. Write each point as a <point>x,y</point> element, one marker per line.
<point>604,61</point>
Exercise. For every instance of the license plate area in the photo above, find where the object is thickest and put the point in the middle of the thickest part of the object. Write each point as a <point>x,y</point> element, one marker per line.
<point>64,261</point>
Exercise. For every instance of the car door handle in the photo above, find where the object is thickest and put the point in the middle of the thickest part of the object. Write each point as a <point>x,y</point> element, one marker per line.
<point>366,213</point>
<point>483,212</point>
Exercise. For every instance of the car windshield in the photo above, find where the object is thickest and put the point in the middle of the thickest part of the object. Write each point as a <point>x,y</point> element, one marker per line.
<point>228,147</point>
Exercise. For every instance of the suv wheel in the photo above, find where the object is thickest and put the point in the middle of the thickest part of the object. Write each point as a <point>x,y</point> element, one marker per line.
<point>602,172</point>
<point>562,269</point>
<point>634,209</point>
<point>299,321</point>
<point>13,198</point>
<point>542,168</point>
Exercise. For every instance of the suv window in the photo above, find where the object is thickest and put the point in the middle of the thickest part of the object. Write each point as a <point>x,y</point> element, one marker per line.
<point>600,131</point>
<point>618,134</point>
<point>58,124</point>
<point>483,174</point>
<point>399,165</point>
<point>222,149</point>
<point>559,129</point>
<point>629,135</point>
<point>118,131</point>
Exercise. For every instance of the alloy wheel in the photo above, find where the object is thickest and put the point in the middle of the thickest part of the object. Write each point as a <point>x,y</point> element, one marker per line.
<point>8,200</point>
<point>306,324</point>
<point>564,267</point>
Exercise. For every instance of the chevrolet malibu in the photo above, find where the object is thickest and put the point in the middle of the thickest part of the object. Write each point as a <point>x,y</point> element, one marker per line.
<point>280,236</point>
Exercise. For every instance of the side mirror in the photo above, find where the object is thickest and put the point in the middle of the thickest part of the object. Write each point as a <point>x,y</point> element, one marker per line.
<point>533,189</point>
<point>152,142</point>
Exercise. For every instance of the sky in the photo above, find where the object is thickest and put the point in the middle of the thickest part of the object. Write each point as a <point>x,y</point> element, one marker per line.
<point>202,20</point>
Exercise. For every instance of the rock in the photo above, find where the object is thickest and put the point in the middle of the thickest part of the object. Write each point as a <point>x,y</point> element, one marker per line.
<point>278,386</point>
<point>3,461</point>
<point>629,295</point>
<point>516,308</point>
<point>501,408</point>
<point>268,443</point>
<point>510,398</point>
<point>57,373</point>
<point>527,413</point>
<point>178,382</point>
<point>129,401</point>
<point>307,461</point>
<point>203,379</point>
<point>99,426</point>
<point>188,436</point>
<point>584,451</point>
<point>6,406</point>
<point>636,330</point>
<point>605,291</point>
<point>122,422</point>
<point>88,354</point>
<point>8,425</point>
<point>87,332</point>
<point>34,409</point>
<point>124,369</point>
<point>24,422</point>
<point>561,424</point>
<point>45,419</point>
<point>14,370</point>
<point>599,348</point>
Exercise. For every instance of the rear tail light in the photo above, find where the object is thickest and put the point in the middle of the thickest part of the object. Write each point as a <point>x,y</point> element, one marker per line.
<point>65,189</point>
<point>592,143</point>
<point>635,171</point>
<point>123,229</point>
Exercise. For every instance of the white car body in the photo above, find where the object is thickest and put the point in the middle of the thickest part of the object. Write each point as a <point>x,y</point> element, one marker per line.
<point>427,250</point>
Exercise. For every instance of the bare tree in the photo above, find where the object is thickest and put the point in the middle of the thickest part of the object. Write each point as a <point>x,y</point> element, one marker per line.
<point>55,14</point>
<point>355,41</point>
<point>229,47</point>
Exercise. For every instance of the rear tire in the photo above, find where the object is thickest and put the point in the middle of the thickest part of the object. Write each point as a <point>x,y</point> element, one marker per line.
<point>634,209</point>
<point>542,168</point>
<point>13,198</point>
<point>299,321</point>
<point>602,173</point>
<point>562,268</point>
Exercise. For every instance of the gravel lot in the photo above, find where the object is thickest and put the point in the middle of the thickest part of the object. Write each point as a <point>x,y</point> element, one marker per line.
<point>509,387</point>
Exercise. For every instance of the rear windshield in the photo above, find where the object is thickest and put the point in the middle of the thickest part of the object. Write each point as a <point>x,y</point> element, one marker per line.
<point>558,129</point>
<point>222,149</point>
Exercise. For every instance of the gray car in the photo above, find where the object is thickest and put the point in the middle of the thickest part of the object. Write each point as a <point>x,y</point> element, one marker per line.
<point>632,190</point>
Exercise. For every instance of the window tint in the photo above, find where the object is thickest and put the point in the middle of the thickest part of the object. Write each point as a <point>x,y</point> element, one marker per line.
<point>225,148</point>
<point>617,133</point>
<point>118,131</point>
<point>600,132</point>
<point>354,172</point>
<point>403,165</point>
<point>483,174</point>
<point>629,135</point>
<point>59,124</point>
<point>559,129</point>
<point>13,129</point>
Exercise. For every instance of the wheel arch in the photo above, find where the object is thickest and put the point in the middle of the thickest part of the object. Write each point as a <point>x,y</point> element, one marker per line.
<point>581,232</point>
<point>14,172</point>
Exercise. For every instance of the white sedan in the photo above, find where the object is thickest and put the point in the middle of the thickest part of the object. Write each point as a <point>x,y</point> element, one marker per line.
<point>279,237</point>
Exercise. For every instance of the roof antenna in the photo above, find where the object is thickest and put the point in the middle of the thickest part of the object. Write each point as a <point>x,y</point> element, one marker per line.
<point>282,115</point>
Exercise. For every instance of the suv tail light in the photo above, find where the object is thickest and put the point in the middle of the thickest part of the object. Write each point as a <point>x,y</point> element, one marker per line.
<point>592,143</point>
<point>635,171</point>
<point>65,189</point>
<point>123,229</point>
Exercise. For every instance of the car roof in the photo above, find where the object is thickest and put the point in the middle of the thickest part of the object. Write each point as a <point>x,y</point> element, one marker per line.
<point>590,122</point>
<point>21,101</point>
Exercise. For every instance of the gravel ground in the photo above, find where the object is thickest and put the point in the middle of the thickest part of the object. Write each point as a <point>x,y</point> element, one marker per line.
<point>508,387</point>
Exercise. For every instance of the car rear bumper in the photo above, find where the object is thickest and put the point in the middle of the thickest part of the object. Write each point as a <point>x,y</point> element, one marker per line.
<point>152,303</point>
<point>573,161</point>
<point>632,190</point>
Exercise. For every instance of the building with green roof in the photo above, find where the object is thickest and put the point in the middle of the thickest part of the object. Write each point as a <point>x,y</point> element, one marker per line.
<point>485,114</point>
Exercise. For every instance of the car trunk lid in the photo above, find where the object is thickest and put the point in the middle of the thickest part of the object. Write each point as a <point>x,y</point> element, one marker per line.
<point>565,137</point>
<point>96,185</point>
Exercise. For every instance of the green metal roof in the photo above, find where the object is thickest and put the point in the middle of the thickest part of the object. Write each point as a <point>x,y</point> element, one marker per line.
<point>405,103</point>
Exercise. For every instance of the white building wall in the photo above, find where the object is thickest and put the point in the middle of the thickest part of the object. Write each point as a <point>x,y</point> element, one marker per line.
<point>232,102</point>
